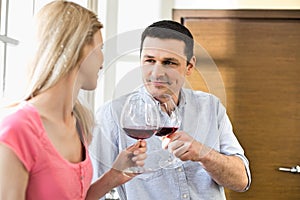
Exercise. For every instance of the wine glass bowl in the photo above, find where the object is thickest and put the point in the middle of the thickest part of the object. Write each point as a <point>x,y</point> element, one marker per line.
<point>170,123</point>
<point>139,120</point>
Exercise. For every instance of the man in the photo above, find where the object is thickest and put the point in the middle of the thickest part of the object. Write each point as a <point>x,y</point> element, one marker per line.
<point>211,154</point>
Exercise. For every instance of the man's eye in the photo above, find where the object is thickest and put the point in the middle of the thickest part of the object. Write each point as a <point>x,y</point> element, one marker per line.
<point>149,61</point>
<point>169,63</point>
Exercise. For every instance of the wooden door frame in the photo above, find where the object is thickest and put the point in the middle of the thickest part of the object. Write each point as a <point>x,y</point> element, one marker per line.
<point>180,15</point>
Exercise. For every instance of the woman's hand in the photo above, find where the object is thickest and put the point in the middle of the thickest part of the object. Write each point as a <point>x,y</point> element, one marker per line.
<point>134,155</point>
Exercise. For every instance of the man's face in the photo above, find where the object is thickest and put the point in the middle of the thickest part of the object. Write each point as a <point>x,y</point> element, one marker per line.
<point>164,66</point>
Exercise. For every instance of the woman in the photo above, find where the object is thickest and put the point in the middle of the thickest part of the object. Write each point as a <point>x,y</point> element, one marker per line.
<point>44,138</point>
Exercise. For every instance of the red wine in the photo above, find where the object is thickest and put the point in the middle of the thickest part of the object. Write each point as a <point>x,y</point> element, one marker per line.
<point>163,131</point>
<point>140,132</point>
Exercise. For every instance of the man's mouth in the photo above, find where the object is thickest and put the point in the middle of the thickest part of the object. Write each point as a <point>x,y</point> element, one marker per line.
<point>158,83</point>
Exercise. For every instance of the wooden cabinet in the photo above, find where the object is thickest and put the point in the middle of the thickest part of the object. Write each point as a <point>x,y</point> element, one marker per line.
<point>255,70</point>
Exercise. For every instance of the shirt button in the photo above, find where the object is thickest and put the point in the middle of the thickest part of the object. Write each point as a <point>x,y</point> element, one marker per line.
<point>179,169</point>
<point>185,196</point>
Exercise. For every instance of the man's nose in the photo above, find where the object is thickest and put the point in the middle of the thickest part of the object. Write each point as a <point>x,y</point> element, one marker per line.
<point>158,70</point>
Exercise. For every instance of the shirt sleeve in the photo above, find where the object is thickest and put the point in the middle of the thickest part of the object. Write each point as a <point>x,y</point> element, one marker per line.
<point>229,142</point>
<point>19,133</point>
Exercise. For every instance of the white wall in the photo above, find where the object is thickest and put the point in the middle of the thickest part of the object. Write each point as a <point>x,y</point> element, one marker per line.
<point>123,24</point>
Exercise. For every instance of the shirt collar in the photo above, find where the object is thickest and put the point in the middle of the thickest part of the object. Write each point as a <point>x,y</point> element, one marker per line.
<point>182,96</point>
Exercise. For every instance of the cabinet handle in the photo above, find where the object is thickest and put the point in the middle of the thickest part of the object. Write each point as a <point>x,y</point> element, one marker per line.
<point>295,169</point>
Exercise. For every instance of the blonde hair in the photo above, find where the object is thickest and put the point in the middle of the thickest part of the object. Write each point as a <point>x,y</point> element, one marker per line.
<point>63,28</point>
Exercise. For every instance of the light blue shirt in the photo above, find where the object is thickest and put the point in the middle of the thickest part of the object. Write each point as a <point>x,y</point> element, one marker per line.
<point>203,117</point>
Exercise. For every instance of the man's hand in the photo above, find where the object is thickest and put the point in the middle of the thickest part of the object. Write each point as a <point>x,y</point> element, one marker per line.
<point>185,147</point>
<point>226,170</point>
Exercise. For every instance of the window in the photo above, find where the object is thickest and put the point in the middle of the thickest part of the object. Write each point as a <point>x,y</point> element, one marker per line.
<point>14,32</point>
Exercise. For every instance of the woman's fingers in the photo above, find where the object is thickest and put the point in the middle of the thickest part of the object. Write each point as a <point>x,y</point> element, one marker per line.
<point>139,152</point>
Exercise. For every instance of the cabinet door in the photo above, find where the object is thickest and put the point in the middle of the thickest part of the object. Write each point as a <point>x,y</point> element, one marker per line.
<point>257,55</point>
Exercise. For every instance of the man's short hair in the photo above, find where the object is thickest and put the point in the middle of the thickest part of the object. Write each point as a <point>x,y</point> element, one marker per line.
<point>168,29</point>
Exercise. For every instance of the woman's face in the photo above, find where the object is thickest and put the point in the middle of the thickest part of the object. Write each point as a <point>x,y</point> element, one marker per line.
<point>92,63</point>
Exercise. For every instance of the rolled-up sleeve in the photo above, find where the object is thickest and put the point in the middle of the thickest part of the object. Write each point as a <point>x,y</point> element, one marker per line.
<point>229,143</point>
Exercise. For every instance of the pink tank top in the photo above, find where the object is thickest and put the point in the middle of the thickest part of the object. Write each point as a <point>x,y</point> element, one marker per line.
<point>51,177</point>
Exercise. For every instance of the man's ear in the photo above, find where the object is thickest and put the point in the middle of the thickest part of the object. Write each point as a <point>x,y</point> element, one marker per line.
<point>191,65</point>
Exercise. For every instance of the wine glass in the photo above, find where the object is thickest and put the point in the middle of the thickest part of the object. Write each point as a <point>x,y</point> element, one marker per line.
<point>139,120</point>
<point>170,123</point>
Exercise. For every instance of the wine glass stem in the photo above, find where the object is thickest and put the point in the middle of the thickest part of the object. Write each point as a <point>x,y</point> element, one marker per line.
<point>170,159</point>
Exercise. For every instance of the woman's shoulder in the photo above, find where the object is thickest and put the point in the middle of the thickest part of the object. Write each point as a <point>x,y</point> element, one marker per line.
<point>20,130</point>
<point>19,115</point>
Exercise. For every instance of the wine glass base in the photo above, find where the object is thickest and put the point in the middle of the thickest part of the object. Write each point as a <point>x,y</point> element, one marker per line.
<point>137,170</point>
<point>170,164</point>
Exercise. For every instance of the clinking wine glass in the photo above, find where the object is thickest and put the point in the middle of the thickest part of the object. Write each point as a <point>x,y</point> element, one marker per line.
<point>170,123</point>
<point>140,120</point>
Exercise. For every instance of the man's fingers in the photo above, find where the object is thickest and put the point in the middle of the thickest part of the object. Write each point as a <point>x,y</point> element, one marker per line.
<point>165,142</point>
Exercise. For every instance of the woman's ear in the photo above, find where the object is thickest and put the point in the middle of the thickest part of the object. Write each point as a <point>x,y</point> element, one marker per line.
<point>190,66</point>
